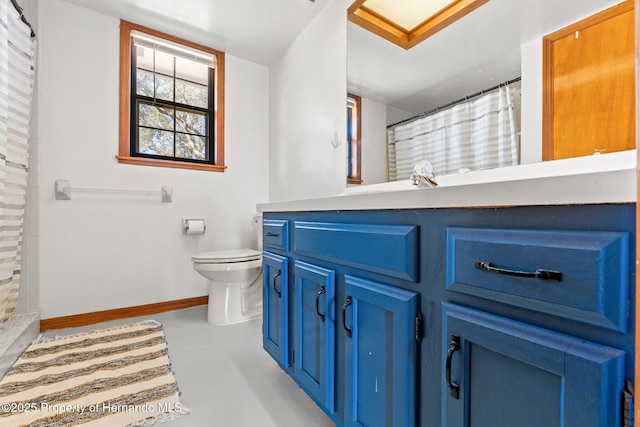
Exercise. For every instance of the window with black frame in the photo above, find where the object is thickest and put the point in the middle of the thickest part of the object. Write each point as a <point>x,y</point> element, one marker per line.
<point>174,106</point>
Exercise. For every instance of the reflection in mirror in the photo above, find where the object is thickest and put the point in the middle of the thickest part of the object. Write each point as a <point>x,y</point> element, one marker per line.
<point>498,42</point>
<point>472,134</point>
<point>354,120</point>
<point>409,22</point>
<point>583,116</point>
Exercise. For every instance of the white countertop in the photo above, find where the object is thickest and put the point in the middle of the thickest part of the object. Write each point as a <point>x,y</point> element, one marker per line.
<point>608,178</point>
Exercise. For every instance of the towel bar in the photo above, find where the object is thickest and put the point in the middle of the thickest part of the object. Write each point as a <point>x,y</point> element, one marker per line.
<point>63,191</point>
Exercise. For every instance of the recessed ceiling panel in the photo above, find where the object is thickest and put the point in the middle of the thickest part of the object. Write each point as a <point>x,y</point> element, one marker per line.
<point>408,22</point>
<point>407,14</point>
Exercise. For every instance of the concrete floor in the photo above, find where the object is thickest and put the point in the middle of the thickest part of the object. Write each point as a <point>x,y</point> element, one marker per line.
<point>224,375</point>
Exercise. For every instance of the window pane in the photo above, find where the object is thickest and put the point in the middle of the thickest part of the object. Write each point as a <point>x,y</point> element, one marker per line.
<point>144,57</point>
<point>155,117</point>
<point>192,94</point>
<point>191,147</point>
<point>192,71</point>
<point>164,63</point>
<point>144,83</point>
<point>154,141</point>
<point>190,122</point>
<point>164,87</point>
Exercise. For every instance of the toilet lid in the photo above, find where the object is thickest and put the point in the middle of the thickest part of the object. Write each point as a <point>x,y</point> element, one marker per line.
<point>228,255</point>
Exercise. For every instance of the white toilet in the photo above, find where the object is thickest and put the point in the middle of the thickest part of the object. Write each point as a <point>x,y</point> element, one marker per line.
<point>235,281</point>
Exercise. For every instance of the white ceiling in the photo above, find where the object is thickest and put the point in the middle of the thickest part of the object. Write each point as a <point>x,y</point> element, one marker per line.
<point>257,30</point>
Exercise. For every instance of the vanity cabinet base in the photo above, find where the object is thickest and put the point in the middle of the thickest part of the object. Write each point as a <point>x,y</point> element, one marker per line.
<point>502,372</point>
<point>517,316</point>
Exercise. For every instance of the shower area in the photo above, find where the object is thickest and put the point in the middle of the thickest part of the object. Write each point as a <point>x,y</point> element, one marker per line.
<point>19,300</point>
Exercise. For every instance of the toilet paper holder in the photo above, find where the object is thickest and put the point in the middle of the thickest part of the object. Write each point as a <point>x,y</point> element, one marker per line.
<point>193,226</point>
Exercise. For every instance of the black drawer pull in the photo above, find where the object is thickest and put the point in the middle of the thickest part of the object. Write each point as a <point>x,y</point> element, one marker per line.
<point>538,274</point>
<point>278,291</point>
<point>320,292</point>
<point>454,346</point>
<point>347,303</point>
<point>271,234</point>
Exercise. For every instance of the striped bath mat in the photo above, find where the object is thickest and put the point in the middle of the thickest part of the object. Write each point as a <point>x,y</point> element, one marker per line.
<point>115,377</point>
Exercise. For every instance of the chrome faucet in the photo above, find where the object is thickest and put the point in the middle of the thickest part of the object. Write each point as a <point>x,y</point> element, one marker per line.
<point>423,172</point>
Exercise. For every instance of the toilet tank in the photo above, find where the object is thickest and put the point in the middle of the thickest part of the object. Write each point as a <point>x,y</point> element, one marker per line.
<point>257,228</point>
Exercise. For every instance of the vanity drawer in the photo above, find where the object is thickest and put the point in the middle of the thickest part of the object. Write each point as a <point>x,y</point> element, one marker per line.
<point>275,234</point>
<point>391,250</point>
<point>580,275</point>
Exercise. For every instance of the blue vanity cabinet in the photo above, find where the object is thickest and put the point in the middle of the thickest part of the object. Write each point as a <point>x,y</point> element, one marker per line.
<point>518,316</point>
<point>380,354</point>
<point>499,372</point>
<point>355,348</point>
<point>574,274</point>
<point>314,332</point>
<point>275,293</point>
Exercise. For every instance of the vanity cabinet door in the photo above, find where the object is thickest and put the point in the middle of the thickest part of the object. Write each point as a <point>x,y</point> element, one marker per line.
<point>275,291</point>
<point>314,332</point>
<point>380,354</point>
<point>499,372</point>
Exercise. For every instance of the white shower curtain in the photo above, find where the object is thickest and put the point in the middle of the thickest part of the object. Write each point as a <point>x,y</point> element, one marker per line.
<point>17,57</point>
<point>479,134</point>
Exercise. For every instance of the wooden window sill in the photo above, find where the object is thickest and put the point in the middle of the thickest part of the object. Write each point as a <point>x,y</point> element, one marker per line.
<point>141,161</point>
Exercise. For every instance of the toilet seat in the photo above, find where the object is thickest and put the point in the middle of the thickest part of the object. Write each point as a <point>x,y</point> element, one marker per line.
<point>227,256</point>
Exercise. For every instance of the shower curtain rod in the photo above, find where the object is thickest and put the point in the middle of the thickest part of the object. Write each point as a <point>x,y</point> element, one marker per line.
<point>22,17</point>
<point>451,104</point>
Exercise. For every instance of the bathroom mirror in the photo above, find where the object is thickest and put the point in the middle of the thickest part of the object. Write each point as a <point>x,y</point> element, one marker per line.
<point>498,42</point>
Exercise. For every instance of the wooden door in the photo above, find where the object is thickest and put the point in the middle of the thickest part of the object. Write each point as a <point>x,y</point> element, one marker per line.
<point>636,415</point>
<point>589,85</point>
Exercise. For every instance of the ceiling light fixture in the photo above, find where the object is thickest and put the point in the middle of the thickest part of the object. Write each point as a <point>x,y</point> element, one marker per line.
<point>408,22</point>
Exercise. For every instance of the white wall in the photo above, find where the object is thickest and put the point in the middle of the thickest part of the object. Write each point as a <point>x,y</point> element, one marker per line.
<point>395,115</point>
<point>102,251</point>
<point>308,111</point>
<point>374,142</point>
<point>531,112</point>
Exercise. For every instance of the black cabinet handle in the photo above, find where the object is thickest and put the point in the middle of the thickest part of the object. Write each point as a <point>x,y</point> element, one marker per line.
<point>454,346</point>
<point>320,292</point>
<point>347,303</point>
<point>279,292</point>
<point>538,274</point>
<point>271,234</point>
